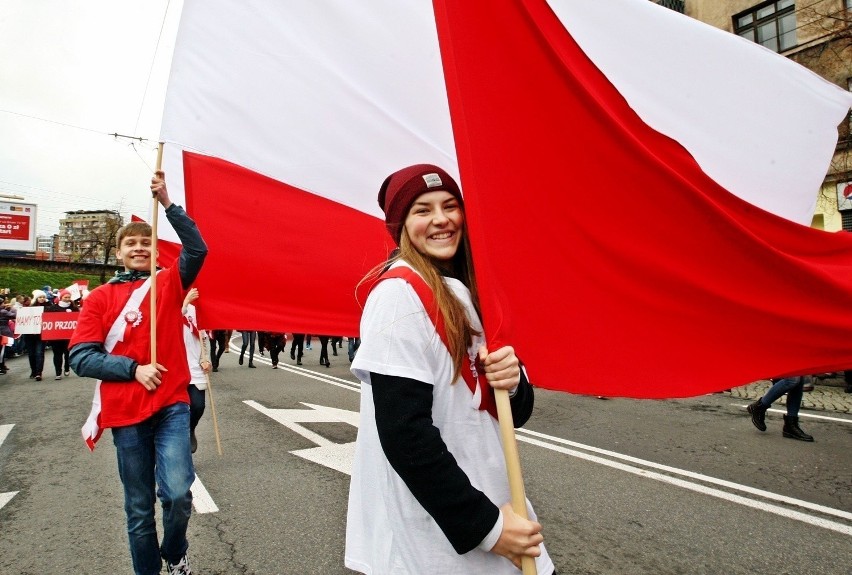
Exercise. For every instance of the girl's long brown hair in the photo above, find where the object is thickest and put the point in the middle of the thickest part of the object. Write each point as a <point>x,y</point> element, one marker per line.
<point>458,328</point>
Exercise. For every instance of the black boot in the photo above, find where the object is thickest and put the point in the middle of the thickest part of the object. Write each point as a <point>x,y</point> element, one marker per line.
<point>241,359</point>
<point>793,431</point>
<point>758,414</point>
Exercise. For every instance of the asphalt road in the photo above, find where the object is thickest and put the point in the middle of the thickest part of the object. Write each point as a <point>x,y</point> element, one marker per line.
<point>621,486</point>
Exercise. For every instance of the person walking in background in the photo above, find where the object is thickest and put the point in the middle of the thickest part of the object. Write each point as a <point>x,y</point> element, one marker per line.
<point>248,341</point>
<point>7,314</point>
<point>198,358</point>
<point>296,347</point>
<point>308,342</point>
<point>429,491</point>
<point>793,387</point>
<point>353,344</point>
<point>61,363</point>
<point>324,350</point>
<point>276,342</point>
<point>48,294</point>
<point>218,346</point>
<point>261,342</point>
<point>146,404</point>
<point>33,342</point>
<point>336,342</point>
<point>20,301</point>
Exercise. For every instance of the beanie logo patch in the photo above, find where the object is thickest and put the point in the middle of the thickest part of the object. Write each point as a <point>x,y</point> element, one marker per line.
<point>432,180</point>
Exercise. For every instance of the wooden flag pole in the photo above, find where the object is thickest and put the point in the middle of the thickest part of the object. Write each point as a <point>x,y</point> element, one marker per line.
<point>205,353</point>
<point>213,411</point>
<point>513,466</point>
<point>154,217</point>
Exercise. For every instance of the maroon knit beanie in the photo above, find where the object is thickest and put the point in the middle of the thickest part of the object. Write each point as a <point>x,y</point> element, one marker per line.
<point>401,188</point>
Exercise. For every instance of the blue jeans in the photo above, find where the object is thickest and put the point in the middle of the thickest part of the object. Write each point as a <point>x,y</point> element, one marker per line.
<point>354,344</point>
<point>793,387</point>
<point>156,453</point>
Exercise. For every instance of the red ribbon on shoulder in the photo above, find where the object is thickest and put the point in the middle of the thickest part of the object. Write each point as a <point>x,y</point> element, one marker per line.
<point>473,376</point>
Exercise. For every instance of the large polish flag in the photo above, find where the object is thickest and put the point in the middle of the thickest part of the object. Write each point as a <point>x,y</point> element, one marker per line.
<point>638,184</point>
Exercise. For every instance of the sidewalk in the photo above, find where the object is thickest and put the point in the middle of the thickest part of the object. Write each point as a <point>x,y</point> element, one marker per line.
<point>828,395</point>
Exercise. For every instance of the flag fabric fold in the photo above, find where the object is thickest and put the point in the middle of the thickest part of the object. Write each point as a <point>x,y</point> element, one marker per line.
<point>279,259</point>
<point>669,286</point>
<point>625,244</point>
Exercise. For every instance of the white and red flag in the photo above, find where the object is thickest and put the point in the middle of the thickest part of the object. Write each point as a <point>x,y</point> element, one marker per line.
<point>638,184</point>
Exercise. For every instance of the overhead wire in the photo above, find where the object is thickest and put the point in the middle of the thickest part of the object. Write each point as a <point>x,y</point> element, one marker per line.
<point>54,198</point>
<point>151,67</point>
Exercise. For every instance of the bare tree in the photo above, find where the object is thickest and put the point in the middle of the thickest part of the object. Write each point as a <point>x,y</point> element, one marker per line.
<point>94,242</point>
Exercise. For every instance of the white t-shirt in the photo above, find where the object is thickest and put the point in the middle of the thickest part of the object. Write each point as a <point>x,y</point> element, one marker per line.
<point>193,349</point>
<point>387,530</point>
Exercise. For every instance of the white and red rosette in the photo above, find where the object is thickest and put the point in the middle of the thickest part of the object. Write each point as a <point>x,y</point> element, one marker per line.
<point>133,317</point>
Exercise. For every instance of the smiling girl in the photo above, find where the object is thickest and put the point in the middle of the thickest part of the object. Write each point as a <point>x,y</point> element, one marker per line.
<point>429,490</point>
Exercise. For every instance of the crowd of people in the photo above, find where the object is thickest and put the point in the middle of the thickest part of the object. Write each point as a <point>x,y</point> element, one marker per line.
<point>32,344</point>
<point>276,343</point>
<point>216,341</point>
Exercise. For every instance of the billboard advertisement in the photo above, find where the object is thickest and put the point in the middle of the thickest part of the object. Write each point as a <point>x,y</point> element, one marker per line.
<point>17,226</point>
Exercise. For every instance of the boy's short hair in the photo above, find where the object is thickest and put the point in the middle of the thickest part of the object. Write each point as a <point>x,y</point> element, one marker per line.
<point>132,229</point>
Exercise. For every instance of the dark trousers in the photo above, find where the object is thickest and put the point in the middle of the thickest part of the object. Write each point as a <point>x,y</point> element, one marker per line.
<point>218,345</point>
<point>296,346</point>
<point>60,356</point>
<point>275,350</point>
<point>35,353</point>
<point>324,349</point>
<point>197,403</point>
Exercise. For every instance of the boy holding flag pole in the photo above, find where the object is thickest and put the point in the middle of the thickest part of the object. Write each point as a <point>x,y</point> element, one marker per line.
<point>142,396</point>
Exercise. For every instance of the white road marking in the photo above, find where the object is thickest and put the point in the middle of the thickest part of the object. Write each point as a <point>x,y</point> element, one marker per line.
<point>201,500</point>
<point>6,498</point>
<point>803,414</point>
<point>309,373</point>
<point>810,519</point>
<point>337,456</point>
<point>4,431</point>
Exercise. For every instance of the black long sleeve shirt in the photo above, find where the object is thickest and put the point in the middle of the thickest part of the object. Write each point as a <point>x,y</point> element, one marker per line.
<point>416,451</point>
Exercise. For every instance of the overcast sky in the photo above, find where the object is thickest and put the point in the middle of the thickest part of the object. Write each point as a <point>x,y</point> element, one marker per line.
<point>71,73</point>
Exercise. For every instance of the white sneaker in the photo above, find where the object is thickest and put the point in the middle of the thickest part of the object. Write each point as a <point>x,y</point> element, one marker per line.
<point>179,568</point>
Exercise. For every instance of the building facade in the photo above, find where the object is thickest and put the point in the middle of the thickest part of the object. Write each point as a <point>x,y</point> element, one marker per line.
<point>88,236</point>
<point>47,247</point>
<point>818,35</point>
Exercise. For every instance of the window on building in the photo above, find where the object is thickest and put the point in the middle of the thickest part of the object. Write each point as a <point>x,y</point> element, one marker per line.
<point>772,24</point>
<point>677,5</point>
